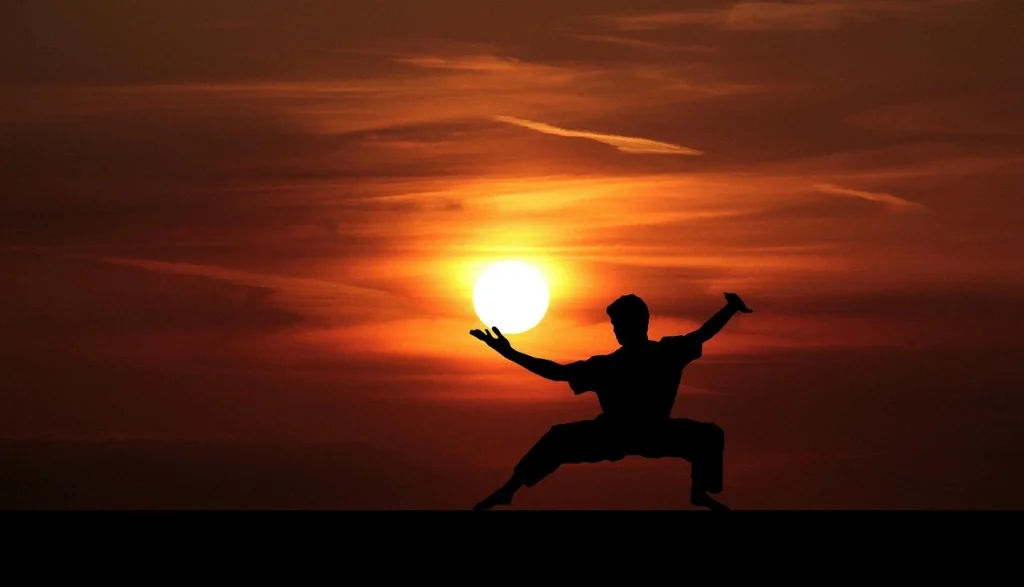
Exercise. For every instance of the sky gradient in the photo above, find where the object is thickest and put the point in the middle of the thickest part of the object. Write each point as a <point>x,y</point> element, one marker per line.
<point>239,242</point>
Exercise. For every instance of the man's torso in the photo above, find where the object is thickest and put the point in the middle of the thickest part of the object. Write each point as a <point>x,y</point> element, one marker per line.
<point>637,382</point>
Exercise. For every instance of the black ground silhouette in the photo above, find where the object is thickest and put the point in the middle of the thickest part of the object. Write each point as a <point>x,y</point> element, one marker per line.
<point>636,386</point>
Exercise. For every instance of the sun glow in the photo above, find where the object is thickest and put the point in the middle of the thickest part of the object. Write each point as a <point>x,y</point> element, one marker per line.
<point>512,296</point>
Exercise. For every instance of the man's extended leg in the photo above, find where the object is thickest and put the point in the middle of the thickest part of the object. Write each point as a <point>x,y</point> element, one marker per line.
<point>589,441</point>
<point>503,496</point>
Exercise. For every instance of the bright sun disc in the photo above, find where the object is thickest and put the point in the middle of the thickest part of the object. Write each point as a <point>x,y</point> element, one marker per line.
<point>512,296</point>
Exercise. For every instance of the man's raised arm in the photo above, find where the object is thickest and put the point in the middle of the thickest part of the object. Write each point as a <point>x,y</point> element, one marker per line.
<point>543,367</point>
<point>715,324</point>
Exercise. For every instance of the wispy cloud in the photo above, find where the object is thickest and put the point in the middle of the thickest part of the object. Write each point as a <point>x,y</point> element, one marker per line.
<point>880,197</point>
<point>640,43</point>
<point>488,63</point>
<point>622,143</point>
<point>806,15</point>
<point>313,298</point>
<point>407,89</point>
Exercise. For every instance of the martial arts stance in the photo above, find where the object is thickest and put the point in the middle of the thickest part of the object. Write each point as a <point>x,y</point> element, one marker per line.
<point>636,386</point>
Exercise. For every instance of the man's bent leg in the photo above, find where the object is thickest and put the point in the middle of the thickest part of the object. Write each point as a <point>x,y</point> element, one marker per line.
<point>700,443</point>
<point>707,468</point>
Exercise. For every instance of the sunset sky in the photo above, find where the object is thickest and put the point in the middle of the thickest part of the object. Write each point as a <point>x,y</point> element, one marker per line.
<point>239,240</point>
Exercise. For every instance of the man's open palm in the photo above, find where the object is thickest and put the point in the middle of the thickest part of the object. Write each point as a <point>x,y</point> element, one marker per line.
<point>499,343</point>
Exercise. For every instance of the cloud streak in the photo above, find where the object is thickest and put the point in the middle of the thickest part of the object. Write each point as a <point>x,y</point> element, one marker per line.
<point>419,89</point>
<point>640,44</point>
<point>752,16</point>
<point>625,144</point>
<point>313,298</point>
<point>890,200</point>
<point>479,63</point>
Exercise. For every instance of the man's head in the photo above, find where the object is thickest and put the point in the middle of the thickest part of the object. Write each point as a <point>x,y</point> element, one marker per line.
<point>630,319</point>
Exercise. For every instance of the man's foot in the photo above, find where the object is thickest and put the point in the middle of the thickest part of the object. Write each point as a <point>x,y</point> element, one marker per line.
<point>502,496</point>
<point>702,499</point>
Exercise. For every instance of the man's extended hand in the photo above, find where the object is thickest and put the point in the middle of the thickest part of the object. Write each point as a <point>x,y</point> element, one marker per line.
<point>500,344</point>
<point>736,303</point>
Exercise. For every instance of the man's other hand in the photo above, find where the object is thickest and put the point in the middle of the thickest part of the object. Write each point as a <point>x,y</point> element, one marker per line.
<point>736,303</point>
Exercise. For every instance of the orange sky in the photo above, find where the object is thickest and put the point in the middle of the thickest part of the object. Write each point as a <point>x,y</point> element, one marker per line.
<point>260,222</point>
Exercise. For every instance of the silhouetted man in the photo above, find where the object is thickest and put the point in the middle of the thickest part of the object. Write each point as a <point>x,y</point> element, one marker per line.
<point>636,387</point>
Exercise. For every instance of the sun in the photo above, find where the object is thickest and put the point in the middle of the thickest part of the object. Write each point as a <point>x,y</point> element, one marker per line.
<point>511,295</point>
